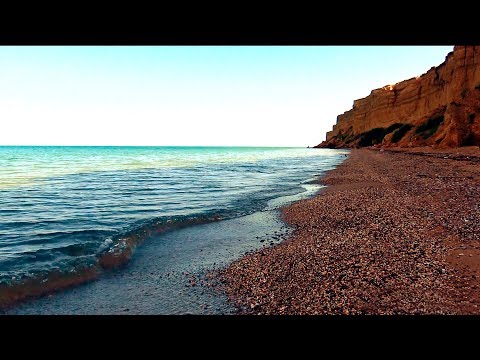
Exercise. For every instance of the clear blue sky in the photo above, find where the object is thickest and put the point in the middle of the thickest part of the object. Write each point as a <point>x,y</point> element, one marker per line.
<point>211,95</point>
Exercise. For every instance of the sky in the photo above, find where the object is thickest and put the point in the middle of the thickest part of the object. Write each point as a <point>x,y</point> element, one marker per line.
<point>192,95</point>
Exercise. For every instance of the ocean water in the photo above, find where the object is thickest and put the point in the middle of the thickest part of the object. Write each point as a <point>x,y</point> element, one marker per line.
<point>65,210</point>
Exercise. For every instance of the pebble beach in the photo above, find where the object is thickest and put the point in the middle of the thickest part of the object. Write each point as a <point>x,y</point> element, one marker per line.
<point>394,232</point>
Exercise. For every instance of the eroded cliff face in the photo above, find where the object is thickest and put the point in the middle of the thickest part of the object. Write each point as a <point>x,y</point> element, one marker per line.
<point>441,109</point>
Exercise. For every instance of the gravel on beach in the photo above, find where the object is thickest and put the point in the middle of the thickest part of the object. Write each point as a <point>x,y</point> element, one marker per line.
<point>393,233</point>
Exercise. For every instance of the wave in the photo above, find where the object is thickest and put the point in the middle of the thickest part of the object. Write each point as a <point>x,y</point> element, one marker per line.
<point>39,286</point>
<point>113,253</point>
<point>116,251</point>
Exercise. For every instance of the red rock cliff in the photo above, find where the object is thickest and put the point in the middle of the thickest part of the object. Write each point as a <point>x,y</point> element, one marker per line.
<point>441,108</point>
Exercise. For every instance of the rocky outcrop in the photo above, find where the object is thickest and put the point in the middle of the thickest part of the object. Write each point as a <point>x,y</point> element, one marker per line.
<point>441,109</point>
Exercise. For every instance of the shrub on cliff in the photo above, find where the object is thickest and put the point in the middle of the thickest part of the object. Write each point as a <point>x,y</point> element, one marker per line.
<point>429,127</point>
<point>393,127</point>
<point>375,136</point>
<point>400,133</point>
<point>371,137</point>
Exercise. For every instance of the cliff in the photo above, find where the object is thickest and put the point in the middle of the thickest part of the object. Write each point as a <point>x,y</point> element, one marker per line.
<point>441,109</point>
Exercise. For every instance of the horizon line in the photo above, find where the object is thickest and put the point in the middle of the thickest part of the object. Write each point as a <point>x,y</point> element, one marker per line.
<point>265,146</point>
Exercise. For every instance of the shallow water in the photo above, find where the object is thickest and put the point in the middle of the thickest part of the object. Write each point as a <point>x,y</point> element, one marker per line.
<point>158,279</point>
<point>63,208</point>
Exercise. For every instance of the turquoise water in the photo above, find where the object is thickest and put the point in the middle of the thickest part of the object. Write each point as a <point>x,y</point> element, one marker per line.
<point>63,208</point>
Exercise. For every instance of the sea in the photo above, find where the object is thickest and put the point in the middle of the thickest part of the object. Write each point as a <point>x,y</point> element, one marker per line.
<point>69,210</point>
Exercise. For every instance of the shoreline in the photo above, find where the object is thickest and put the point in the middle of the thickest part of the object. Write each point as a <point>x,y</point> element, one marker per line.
<point>171,273</point>
<point>75,234</point>
<point>392,233</point>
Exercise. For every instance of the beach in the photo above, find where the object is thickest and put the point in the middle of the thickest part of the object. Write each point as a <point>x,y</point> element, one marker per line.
<point>396,231</point>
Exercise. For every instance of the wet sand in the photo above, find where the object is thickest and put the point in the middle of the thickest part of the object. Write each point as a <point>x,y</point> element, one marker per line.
<point>395,232</point>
